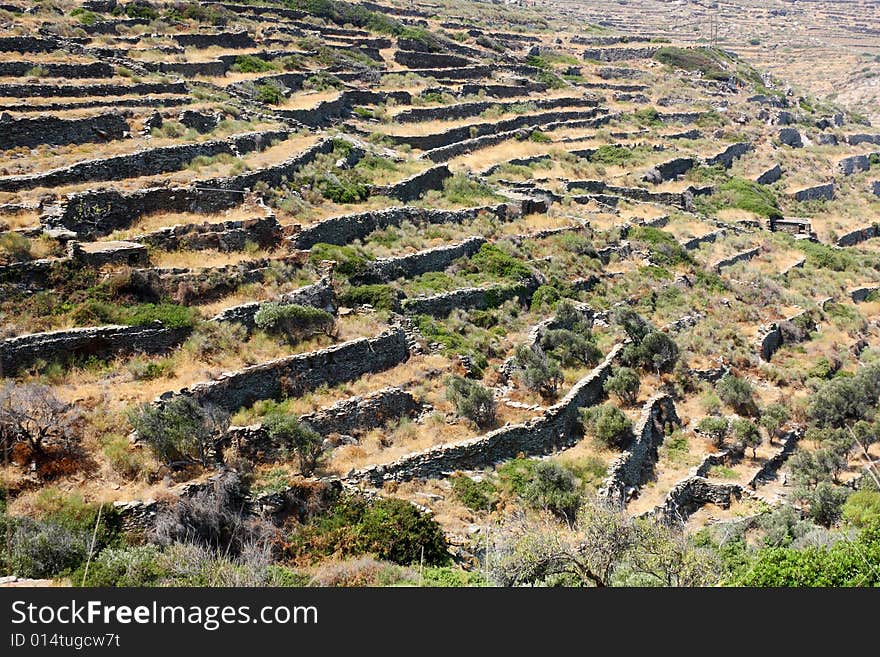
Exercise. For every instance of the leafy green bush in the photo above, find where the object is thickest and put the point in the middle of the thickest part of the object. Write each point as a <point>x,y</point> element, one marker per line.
<point>553,488</point>
<point>475,495</point>
<point>537,372</point>
<point>539,137</point>
<point>665,249</point>
<point>608,424</point>
<point>716,428</point>
<point>471,399</point>
<point>380,297</point>
<point>624,383</point>
<point>180,431</point>
<point>492,260</point>
<point>294,321</point>
<point>289,434</point>
<point>350,260</point>
<point>746,433</point>
<point>737,393</point>
<point>862,508</point>
<point>251,64</point>
<point>125,566</point>
<point>462,190</point>
<point>544,297</point>
<point>571,348</point>
<point>390,529</point>
<point>745,195</point>
<point>269,94</point>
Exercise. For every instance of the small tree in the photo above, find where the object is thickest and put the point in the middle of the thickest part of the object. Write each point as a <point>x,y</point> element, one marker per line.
<point>31,414</point>
<point>635,327</point>
<point>555,489</point>
<point>624,384</point>
<point>717,428</point>
<point>286,431</point>
<point>571,348</point>
<point>472,400</point>
<point>737,393</point>
<point>659,352</point>
<point>608,424</point>
<point>181,431</point>
<point>773,417</point>
<point>537,372</point>
<point>293,321</point>
<point>746,433</point>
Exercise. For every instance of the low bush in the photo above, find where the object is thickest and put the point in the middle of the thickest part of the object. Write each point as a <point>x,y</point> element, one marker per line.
<point>294,321</point>
<point>475,495</point>
<point>472,400</point>
<point>608,424</point>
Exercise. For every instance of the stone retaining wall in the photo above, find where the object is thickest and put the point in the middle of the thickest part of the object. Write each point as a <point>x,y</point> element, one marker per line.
<point>348,228</point>
<point>144,163</point>
<point>30,132</point>
<point>858,235</point>
<point>103,342</point>
<point>57,70</point>
<point>619,54</point>
<point>729,154</point>
<point>319,295</point>
<point>298,374</point>
<point>742,256</point>
<point>346,417</point>
<point>691,494</point>
<point>414,187</point>
<point>16,90</point>
<point>414,264</point>
<point>479,298</point>
<point>100,212</point>
<point>635,465</point>
<point>819,192</point>
<point>223,236</point>
<point>558,427</point>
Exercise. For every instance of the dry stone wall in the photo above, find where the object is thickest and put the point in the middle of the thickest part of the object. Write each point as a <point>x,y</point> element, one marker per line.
<point>318,295</point>
<point>413,264</point>
<point>558,427</point>
<point>144,163</point>
<point>348,228</point>
<point>20,353</point>
<point>632,468</point>
<point>346,417</point>
<point>295,375</point>
<point>31,132</point>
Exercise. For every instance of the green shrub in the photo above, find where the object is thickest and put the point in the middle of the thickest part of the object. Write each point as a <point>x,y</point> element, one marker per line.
<point>322,81</point>
<point>294,321</point>
<point>746,433</point>
<point>462,190</point>
<point>269,94</point>
<point>180,431</point>
<point>539,137</point>
<point>388,528</point>
<point>251,64</point>
<point>349,260</point>
<point>289,434</point>
<point>745,195</point>
<point>716,428</point>
<point>537,372</point>
<point>127,566</point>
<point>624,383</point>
<point>571,348</point>
<point>491,260</point>
<point>471,400</point>
<point>608,424</point>
<point>665,249</point>
<point>475,495</point>
<point>85,16</point>
<point>862,508</point>
<point>545,296</point>
<point>380,297</point>
<point>554,488</point>
<point>737,393</point>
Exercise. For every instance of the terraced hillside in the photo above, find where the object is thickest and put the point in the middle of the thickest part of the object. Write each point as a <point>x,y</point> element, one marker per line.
<point>306,292</point>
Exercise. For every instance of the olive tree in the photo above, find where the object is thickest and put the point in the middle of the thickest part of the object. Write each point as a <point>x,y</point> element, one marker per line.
<point>181,431</point>
<point>624,384</point>
<point>472,400</point>
<point>31,414</point>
